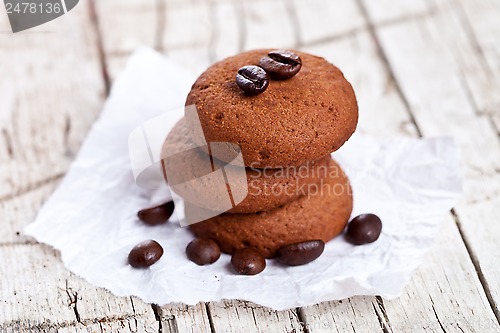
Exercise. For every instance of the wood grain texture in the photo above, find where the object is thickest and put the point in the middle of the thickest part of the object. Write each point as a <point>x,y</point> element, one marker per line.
<point>183,318</point>
<point>423,49</point>
<point>243,316</point>
<point>19,211</point>
<point>356,314</point>
<point>33,291</point>
<point>387,11</point>
<point>437,299</point>
<point>479,223</point>
<point>187,34</point>
<point>40,293</point>
<point>125,26</point>
<point>140,16</point>
<point>480,51</point>
<point>53,95</point>
<point>319,21</point>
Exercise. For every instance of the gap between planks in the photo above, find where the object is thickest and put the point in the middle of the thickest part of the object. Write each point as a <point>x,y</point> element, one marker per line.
<point>373,32</point>
<point>94,19</point>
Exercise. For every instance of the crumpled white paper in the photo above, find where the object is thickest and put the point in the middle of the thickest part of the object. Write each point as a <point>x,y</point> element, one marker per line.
<point>91,218</point>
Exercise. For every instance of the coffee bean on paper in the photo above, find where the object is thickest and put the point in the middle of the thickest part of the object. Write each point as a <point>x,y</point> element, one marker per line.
<point>158,214</point>
<point>300,253</point>
<point>281,64</point>
<point>248,261</point>
<point>145,254</point>
<point>364,229</point>
<point>252,80</point>
<point>203,251</point>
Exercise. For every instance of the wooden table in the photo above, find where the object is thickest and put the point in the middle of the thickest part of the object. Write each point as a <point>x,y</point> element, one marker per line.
<point>420,68</point>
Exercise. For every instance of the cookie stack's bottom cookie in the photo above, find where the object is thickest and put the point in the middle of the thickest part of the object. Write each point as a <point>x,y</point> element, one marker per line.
<point>320,214</point>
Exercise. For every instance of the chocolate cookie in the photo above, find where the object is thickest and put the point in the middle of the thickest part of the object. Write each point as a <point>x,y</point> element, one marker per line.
<point>300,119</point>
<point>322,214</point>
<point>266,188</point>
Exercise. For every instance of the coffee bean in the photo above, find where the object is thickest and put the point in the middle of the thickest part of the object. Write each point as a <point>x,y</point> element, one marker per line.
<point>253,80</point>
<point>364,229</point>
<point>158,214</point>
<point>300,253</point>
<point>248,261</point>
<point>203,251</point>
<point>281,64</point>
<point>145,254</point>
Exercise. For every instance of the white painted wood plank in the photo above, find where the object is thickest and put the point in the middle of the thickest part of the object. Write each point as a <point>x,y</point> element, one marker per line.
<point>479,22</point>
<point>187,26</point>
<point>115,64</point>
<point>479,222</point>
<point>194,61</point>
<point>52,95</point>
<point>93,303</point>
<point>321,20</point>
<point>381,111</point>
<point>483,19</point>
<point>215,35</point>
<point>33,287</point>
<point>384,11</point>
<point>18,212</point>
<point>119,326</point>
<point>266,25</point>
<point>476,56</point>
<point>126,25</point>
<point>227,30</point>
<point>38,291</point>
<point>243,316</point>
<point>430,78</point>
<point>181,318</point>
<point>479,81</point>
<point>356,314</point>
<point>447,287</point>
<point>187,35</point>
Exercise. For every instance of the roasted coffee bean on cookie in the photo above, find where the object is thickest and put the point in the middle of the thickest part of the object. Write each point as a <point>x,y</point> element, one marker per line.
<point>281,64</point>
<point>295,121</point>
<point>253,80</point>
<point>364,229</point>
<point>158,214</point>
<point>300,253</point>
<point>203,251</point>
<point>145,254</point>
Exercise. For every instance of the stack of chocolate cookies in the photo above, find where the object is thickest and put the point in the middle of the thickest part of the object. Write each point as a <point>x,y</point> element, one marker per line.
<point>287,111</point>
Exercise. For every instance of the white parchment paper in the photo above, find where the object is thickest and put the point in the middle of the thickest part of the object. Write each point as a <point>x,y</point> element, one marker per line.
<point>91,218</point>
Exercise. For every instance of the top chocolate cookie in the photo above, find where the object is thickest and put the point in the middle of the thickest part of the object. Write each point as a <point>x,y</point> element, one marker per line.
<point>296,120</point>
